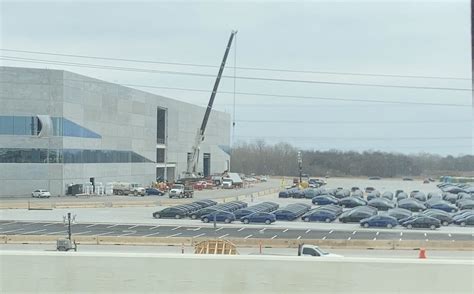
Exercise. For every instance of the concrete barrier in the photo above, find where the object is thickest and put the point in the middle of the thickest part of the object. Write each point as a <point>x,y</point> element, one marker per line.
<point>66,272</point>
<point>276,243</point>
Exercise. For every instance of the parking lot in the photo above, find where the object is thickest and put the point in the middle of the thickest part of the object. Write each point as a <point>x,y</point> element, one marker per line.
<point>222,231</point>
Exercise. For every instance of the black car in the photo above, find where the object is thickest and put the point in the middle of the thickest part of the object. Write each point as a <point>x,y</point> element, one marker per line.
<point>411,204</point>
<point>402,195</point>
<point>342,193</point>
<point>170,212</point>
<point>452,198</point>
<point>352,201</point>
<point>381,204</point>
<point>154,191</point>
<point>422,221</point>
<point>419,196</point>
<point>331,208</point>
<point>284,194</point>
<point>443,217</point>
<point>206,202</point>
<point>399,213</point>
<point>387,195</point>
<point>355,216</point>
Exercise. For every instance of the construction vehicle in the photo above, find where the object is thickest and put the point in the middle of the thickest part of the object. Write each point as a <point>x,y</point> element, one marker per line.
<point>191,171</point>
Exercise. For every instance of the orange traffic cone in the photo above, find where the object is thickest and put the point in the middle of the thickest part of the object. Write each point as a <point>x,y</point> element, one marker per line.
<point>422,254</point>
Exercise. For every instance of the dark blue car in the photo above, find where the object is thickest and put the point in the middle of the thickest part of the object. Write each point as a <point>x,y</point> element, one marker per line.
<point>444,206</point>
<point>259,217</point>
<point>219,216</point>
<point>154,191</point>
<point>385,221</point>
<point>325,200</point>
<point>319,216</point>
<point>284,194</point>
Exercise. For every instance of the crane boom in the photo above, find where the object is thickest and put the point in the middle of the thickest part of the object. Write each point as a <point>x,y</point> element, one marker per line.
<point>193,160</point>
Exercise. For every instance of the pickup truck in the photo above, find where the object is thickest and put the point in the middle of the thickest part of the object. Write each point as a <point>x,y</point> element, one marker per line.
<point>312,250</point>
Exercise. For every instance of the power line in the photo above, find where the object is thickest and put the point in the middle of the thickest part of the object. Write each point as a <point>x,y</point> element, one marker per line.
<point>240,67</point>
<point>315,139</point>
<point>375,122</point>
<point>377,101</point>
<point>42,61</point>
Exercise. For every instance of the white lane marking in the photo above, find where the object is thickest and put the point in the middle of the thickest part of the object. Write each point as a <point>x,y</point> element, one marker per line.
<point>425,234</point>
<point>177,234</point>
<point>56,232</point>
<point>111,226</point>
<point>80,233</point>
<point>449,235</point>
<point>348,238</point>
<point>31,232</point>
<point>50,224</point>
<point>330,232</point>
<point>126,234</point>
<point>299,237</point>
<point>132,227</point>
<point>193,229</point>
<point>274,237</point>
<point>8,223</point>
<point>91,225</point>
<point>11,231</point>
<point>375,239</point>
<point>173,229</point>
<point>155,233</point>
<point>324,238</point>
<point>240,229</point>
<point>223,236</point>
<point>155,227</point>
<point>263,230</point>
<point>106,233</point>
<point>197,236</point>
<point>401,233</point>
<point>353,233</point>
<point>376,234</point>
<point>426,240</point>
<point>285,230</point>
<point>248,236</point>
<point>218,229</point>
<point>307,231</point>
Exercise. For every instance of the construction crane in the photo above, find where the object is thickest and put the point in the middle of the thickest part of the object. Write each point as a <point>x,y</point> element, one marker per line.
<point>194,158</point>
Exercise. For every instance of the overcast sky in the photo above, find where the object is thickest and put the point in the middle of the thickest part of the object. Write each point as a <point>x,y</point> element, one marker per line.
<point>407,38</point>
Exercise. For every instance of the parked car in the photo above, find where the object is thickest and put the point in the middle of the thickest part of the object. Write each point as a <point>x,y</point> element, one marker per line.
<point>379,221</point>
<point>40,193</point>
<point>371,196</point>
<point>352,201</point>
<point>445,206</point>
<point>369,189</point>
<point>325,200</point>
<point>355,215</point>
<point>399,213</point>
<point>433,195</point>
<point>154,191</point>
<point>450,197</point>
<point>402,195</point>
<point>464,204</point>
<point>219,216</point>
<point>381,203</point>
<point>465,221</point>
<point>284,194</point>
<point>419,196</point>
<point>331,208</point>
<point>411,204</point>
<point>387,195</point>
<point>206,202</point>
<point>357,193</point>
<point>319,215</point>
<point>422,221</point>
<point>342,193</point>
<point>462,214</point>
<point>170,212</point>
<point>442,216</point>
<point>309,193</point>
<point>291,211</point>
<point>259,217</point>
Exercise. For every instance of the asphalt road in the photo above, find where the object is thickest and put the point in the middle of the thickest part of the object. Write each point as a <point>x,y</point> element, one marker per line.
<point>221,231</point>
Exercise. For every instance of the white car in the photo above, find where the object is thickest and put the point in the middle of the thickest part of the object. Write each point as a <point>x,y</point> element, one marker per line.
<point>40,193</point>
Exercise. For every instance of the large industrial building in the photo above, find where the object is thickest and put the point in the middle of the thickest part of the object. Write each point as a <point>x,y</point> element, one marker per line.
<point>58,128</point>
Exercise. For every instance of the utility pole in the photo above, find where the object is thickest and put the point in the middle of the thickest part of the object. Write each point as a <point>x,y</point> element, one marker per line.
<point>300,165</point>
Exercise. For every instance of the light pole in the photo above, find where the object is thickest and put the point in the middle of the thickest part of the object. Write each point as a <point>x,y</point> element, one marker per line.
<point>69,219</point>
<point>300,165</point>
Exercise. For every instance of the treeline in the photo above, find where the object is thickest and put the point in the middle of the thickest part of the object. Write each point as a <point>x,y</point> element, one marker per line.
<point>281,159</point>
